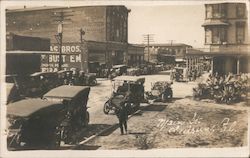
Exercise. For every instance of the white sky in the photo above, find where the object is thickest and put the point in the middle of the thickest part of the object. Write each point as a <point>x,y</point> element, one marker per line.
<point>181,23</point>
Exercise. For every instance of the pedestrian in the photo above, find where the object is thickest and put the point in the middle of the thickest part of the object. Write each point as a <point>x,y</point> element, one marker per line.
<point>122,115</point>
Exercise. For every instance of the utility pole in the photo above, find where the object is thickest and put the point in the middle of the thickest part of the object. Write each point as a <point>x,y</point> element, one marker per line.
<point>171,42</point>
<point>84,54</point>
<point>148,38</point>
<point>60,19</point>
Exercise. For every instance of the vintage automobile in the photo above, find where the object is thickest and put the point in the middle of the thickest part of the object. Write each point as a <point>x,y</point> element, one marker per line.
<point>13,91</point>
<point>117,70</point>
<point>133,71</point>
<point>48,122</point>
<point>90,79</point>
<point>160,91</point>
<point>79,78</point>
<point>39,83</point>
<point>65,77</point>
<point>126,88</point>
<point>180,74</point>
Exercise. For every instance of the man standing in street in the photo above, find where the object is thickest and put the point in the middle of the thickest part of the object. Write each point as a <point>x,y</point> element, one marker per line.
<point>122,115</point>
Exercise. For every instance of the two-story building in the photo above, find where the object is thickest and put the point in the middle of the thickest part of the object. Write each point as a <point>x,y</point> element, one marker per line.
<point>166,52</point>
<point>104,29</point>
<point>226,38</point>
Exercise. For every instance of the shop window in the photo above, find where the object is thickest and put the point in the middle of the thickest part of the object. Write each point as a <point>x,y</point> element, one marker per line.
<point>240,10</point>
<point>240,32</point>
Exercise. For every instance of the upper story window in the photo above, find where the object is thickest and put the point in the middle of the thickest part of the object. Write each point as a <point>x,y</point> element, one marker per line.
<point>208,11</point>
<point>216,11</point>
<point>219,10</point>
<point>240,10</point>
<point>215,35</point>
<point>240,32</point>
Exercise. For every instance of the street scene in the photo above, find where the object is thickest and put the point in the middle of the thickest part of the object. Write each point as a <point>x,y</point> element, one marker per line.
<point>96,78</point>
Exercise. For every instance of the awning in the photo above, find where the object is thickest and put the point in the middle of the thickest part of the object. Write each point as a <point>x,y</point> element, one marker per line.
<point>215,22</point>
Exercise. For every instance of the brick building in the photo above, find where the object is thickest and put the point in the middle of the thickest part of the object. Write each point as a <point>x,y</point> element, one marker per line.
<point>105,27</point>
<point>226,37</point>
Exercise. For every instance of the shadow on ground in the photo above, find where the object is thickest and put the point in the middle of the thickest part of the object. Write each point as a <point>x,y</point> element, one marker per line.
<point>155,107</point>
<point>87,147</point>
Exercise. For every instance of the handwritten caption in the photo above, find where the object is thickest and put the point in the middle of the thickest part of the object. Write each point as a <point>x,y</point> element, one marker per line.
<point>196,125</point>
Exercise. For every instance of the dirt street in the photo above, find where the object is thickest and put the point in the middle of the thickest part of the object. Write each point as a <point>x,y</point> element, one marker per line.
<point>183,122</point>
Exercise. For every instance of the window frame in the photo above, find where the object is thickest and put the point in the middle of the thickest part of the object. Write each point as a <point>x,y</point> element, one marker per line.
<point>242,25</point>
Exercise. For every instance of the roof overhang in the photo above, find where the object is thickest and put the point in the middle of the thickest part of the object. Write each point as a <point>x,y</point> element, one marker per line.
<point>215,23</point>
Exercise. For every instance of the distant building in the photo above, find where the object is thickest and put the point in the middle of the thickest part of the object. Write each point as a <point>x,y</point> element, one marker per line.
<point>135,54</point>
<point>165,52</point>
<point>226,38</point>
<point>105,29</point>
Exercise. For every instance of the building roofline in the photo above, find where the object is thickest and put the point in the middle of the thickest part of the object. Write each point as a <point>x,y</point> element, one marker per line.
<point>167,44</point>
<point>207,3</point>
<point>55,7</point>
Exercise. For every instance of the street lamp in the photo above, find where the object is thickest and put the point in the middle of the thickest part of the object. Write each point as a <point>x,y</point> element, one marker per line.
<point>60,32</point>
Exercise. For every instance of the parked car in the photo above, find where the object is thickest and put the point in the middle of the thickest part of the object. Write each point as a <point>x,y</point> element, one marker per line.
<point>117,70</point>
<point>39,83</point>
<point>160,91</point>
<point>133,71</point>
<point>13,91</point>
<point>49,121</point>
<point>126,87</point>
<point>65,77</point>
<point>78,78</point>
<point>180,74</point>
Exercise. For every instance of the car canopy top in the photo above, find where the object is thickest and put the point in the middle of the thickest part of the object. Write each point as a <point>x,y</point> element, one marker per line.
<point>133,79</point>
<point>63,71</point>
<point>28,107</point>
<point>41,73</point>
<point>118,66</point>
<point>67,92</point>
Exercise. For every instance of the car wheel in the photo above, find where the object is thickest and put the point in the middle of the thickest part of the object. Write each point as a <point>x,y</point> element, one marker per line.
<point>94,82</point>
<point>106,108</point>
<point>163,97</point>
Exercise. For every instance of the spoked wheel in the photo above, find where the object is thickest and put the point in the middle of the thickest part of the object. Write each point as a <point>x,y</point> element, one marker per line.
<point>93,83</point>
<point>106,108</point>
<point>163,97</point>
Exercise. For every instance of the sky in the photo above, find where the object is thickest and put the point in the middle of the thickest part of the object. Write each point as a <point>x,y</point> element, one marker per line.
<point>180,23</point>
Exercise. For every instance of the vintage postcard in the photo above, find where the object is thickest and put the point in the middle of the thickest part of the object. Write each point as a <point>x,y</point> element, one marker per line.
<point>125,78</point>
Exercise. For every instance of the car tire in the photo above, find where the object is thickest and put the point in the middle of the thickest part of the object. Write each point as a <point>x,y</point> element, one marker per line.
<point>163,98</point>
<point>106,108</point>
<point>94,82</point>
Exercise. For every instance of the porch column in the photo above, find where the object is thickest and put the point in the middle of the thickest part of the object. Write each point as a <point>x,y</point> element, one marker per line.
<point>212,65</point>
<point>238,65</point>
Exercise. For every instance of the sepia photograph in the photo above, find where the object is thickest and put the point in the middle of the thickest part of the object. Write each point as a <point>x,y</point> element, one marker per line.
<point>125,78</point>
